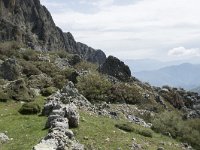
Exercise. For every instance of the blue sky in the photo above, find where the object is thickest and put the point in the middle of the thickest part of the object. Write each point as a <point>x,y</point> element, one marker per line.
<point>133,29</point>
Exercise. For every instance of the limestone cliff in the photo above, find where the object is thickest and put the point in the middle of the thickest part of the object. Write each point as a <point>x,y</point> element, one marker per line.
<point>29,22</point>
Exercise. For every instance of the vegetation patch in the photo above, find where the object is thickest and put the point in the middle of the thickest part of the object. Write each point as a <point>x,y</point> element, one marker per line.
<point>98,132</point>
<point>186,131</point>
<point>24,130</point>
<point>48,91</point>
<point>126,127</point>
<point>30,108</point>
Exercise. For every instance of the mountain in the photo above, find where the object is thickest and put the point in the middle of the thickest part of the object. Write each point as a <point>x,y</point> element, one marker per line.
<point>185,75</point>
<point>196,89</point>
<point>30,23</point>
<point>138,65</point>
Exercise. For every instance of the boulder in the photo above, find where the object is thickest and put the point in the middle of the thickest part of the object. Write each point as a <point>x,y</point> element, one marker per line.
<point>3,138</point>
<point>138,121</point>
<point>116,68</point>
<point>10,69</point>
<point>62,63</point>
<point>72,114</point>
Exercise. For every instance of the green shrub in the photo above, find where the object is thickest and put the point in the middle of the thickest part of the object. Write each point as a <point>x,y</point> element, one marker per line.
<point>3,96</point>
<point>28,68</point>
<point>29,108</point>
<point>185,131</point>
<point>59,81</point>
<point>18,91</point>
<point>48,68</point>
<point>48,91</point>
<point>146,133</point>
<point>126,127</point>
<point>122,92</point>
<point>30,55</point>
<point>9,49</point>
<point>94,87</point>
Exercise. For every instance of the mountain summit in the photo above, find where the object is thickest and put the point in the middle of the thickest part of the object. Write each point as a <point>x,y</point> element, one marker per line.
<point>30,23</point>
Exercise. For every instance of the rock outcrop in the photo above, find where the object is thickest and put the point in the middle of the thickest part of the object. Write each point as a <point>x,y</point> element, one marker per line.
<point>116,68</point>
<point>187,101</point>
<point>62,115</point>
<point>10,70</point>
<point>30,23</point>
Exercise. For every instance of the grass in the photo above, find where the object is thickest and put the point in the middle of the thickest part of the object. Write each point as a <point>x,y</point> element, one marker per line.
<point>100,133</point>
<point>26,130</point>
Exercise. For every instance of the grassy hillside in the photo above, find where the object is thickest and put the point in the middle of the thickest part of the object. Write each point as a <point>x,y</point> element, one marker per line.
<point>24,130</point>
<point>100,133</point>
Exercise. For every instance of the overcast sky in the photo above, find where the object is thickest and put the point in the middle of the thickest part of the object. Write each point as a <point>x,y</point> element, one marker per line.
<point>133,29</point>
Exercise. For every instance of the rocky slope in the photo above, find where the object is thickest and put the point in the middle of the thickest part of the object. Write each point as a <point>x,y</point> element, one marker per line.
<point>30,23</point>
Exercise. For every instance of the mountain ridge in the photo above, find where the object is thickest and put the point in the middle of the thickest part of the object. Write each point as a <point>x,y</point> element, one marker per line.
<point>185,75</point>
<point>30,23</point>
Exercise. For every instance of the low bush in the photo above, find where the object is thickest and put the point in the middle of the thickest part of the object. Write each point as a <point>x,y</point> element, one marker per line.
<point>30,55</point>
<point>146,133</point>
<point>48,68</point>
<point>186,131</point>
<point>48,91</point>
<point>122,92</point>
<point>28,68</point>
<point>3,96</point>
<point>19,91</point>
<point>9,49</point>
<point>94,87</point>
<point>29,108</point>
<point>126,127</point>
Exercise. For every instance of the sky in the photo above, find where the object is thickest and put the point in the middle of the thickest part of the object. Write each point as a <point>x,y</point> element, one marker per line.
<point>133,29</point>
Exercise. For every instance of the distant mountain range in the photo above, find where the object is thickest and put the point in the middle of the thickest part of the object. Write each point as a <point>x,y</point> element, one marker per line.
<point>138,65</point>
<point>185,75</point>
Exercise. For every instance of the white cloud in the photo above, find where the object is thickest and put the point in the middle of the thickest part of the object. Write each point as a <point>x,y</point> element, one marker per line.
<point>183,52</point>
<point>147,28</point>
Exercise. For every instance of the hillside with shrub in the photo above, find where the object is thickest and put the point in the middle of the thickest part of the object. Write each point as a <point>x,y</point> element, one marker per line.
<point>59,94</point>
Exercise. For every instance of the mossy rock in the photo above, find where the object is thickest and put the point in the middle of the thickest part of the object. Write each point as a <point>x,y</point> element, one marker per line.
<point>29,109</point>
<point>48,91</point>
<point>18,91</point>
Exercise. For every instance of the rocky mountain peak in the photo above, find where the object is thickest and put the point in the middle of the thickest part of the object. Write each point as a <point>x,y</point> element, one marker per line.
<point>30,23</point>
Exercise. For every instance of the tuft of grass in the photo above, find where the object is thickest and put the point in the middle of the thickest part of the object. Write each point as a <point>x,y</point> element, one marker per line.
<point>26,131</point>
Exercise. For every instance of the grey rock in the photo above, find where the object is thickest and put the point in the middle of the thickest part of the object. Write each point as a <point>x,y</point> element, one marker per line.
<point>116,68</point>
<point>10,69</point>
<point>62,63</point>
<point>51,119</point>
<point>136,146</point>
<point>139,121</point>
<point>72,114</point>
<point>3,138</point>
